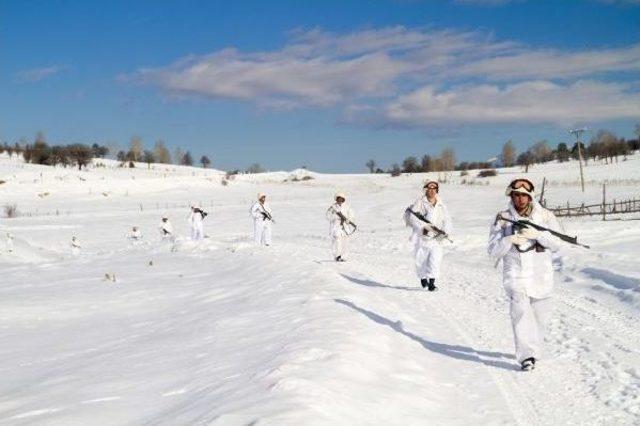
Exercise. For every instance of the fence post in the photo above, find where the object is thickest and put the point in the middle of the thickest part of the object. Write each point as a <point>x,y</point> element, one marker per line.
<point>544,181</point>
<point>568,210</point>
<point>604,201</point>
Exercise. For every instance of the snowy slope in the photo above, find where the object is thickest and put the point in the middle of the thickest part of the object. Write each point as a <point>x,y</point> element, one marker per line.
<point>224,332</point>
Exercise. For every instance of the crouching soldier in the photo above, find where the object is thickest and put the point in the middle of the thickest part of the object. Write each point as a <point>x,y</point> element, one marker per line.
<point>527,272</point>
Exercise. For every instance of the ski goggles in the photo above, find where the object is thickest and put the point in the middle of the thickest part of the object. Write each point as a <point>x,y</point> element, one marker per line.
<point>522,186</point>
<point>432,185</point>
<point>522,183</point>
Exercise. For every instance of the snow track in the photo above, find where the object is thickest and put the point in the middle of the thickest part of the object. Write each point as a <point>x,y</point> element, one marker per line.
<point>223,332</point>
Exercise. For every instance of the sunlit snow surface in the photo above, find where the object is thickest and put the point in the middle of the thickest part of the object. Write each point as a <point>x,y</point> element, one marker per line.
<point>223,332</point>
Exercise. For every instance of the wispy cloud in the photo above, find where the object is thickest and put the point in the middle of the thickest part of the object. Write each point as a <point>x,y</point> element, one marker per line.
<point>532,101</point>
<point>37,74</point>
<point>409,76</point>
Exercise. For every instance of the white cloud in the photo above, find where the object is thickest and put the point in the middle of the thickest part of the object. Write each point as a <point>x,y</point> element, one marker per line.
<point>532,101</point>
<point>554,64</point>
<point>387,66</point>
<point>37,74</point>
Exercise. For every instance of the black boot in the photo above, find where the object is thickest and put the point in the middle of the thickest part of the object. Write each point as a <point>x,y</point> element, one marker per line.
<point>339,259</point>
<point>424,282</point>
<point>432,284</point>
<point>528,364</point>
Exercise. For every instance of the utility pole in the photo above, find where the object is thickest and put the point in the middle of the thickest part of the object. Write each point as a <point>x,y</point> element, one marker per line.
<point>578,134</point>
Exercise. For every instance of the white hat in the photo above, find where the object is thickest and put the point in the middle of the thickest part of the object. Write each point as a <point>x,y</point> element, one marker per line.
<point>521,186</point>
<point>340,194</point>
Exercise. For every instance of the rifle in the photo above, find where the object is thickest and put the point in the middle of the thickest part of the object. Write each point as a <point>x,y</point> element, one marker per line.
<point>265,214</point>
<point>434,228</point>
<point>523,223</point>
<point>343,220</point>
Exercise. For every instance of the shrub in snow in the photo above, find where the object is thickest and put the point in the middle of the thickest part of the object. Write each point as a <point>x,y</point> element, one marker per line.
<point>10,210</point>
<point>487,173</point>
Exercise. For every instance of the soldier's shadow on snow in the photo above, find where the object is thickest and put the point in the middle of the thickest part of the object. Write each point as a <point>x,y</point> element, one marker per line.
<point>369,283</point>
<point>464,353</point>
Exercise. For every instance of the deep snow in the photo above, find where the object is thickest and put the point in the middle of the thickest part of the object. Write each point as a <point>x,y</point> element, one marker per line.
<point>225,332</point>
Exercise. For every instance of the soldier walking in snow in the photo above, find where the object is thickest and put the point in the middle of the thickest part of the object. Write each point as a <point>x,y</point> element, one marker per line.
<point>195,222</point>
<point>431,223</point>
<point>340,217</point>
<point>262,220</point>
<point>9,242</point>
<point>527,272</point>
<point>75,246</point>
<point>166,229</point>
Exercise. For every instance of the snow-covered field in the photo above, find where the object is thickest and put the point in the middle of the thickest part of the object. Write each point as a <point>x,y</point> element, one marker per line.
<point>223,332</point>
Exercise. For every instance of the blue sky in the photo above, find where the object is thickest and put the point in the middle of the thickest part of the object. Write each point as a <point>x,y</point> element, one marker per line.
<point>327,84</point>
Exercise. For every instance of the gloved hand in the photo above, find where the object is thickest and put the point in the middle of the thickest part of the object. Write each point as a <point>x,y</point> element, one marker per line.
<point>516,239</point>
<point>529,233</point>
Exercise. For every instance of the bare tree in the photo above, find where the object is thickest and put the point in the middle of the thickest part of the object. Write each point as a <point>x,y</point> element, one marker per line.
<point>508,154</point>
<point>136,148</point>
<point>371,165</point>
<point>541,152</point>
<point>255,168</point>
<point>161,152</point>
<point>448,158</point>
<point>178,153</point>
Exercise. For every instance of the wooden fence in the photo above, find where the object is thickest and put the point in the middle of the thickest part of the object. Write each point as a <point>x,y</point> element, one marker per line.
<point>604,209</point>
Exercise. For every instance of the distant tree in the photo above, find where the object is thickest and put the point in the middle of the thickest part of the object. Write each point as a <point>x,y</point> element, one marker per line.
<point>178,153</point>
<point>187,159</point>
<point>508,154</point>
<point>59,155</point>
<point>161,152</point>
<point>136,148</point>
<point>562,152</point>
<point>410,165</point>
<point>79,154</point>
<point>148,158</point>
<point>448,158</point>
<point>395,170</point>
<point>425,163</point>
<point>99,151</point>
<point>541,152</point>
<point>204,160</point>
<point>574,150</point>
<point>255,168</point>
<point>121,156</point>
<point>371,165</point>
<point>526,159</point>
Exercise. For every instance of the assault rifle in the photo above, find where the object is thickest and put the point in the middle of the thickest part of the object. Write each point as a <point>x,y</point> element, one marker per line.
<point>344,220</point>
<point>430,225</point>
<point>266,215</point>
<point>523,223</point>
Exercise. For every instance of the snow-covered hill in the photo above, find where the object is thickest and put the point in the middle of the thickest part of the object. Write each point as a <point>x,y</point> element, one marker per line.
<point>224,332</point>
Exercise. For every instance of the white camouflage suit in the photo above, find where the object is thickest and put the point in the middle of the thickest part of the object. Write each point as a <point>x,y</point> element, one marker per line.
<point>427,249</point>
<point>336,229</point>
<point>261,225</point>
<point>195,224</point>
<point>527,277</point>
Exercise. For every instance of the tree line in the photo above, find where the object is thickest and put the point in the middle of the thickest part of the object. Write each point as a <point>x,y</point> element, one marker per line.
<point>80,155</point>
<point>605,145</point>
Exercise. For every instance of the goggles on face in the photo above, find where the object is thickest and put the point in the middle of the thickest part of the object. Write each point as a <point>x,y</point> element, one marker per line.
<point>523,186</point>
<point>432,185</point>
